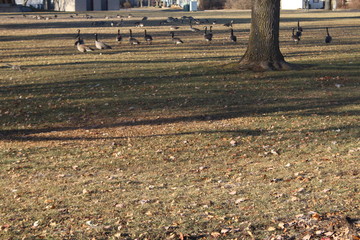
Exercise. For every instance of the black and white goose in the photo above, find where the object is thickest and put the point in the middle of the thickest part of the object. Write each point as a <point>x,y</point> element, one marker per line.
<point>132,40</point>
<point>148,38</point>
<point>207,36</point>
<point>175,40</point>
<point>295,37</point>
<point>299,30</point>
<point>82,47</point>
<point>229,24</point>
<point>99,44</point>
<point>119,37</point>
<point>328,38</point>
<point>232,36</point>
<point>192,28</point>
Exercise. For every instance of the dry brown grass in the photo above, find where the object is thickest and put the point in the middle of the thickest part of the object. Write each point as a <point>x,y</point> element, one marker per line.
<point>170,142</point>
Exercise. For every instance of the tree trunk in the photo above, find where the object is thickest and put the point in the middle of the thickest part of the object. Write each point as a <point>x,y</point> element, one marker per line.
<point>201,5</point>
<point>263,51</point>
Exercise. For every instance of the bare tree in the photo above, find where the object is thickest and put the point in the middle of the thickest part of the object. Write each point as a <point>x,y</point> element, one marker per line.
<point>263,51</point>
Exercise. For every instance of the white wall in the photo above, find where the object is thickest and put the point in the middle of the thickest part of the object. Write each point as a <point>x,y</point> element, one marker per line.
<point>292,4</point>
<point>64,5</point>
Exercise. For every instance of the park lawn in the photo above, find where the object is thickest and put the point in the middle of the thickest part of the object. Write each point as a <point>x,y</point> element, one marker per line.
<point>167,141</point>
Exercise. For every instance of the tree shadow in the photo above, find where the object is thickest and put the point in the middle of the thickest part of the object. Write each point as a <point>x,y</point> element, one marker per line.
<point>196,92</point>
<point>239,101</point>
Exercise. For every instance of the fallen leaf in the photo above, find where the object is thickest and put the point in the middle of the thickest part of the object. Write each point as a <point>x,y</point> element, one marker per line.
<point>225,230</point>
<point>271,229</point>
<point>307,237</point>
<point>215,234</point>
<point>240,200</point>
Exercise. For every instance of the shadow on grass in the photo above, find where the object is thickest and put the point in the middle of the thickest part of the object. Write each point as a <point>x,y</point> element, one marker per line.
<point>194,93</point>
<point>25,135</point>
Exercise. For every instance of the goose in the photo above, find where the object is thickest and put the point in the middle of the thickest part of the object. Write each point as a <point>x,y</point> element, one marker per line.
<point>210,31</point>
<point>148,38</point>
<point>100,45</point>
<point>144,18</point>
<point>78,38</point>
<point>175,40</point>
<point>119,37</point>
<point>132,40</point>
<point>139,24</point>
<point>294,37</point>
<point>229,24</point>
<point>193,29</point>
<point>207,36</point>
<point>328,38</point>
<point>82,47</point>
<point>170,20</point>
<point>174,27</point>
<point>232,36</point>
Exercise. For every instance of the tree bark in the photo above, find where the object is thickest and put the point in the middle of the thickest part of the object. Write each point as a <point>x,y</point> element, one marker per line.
<point>263,51</point>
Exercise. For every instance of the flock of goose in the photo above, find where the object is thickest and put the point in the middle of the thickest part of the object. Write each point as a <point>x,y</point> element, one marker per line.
<point>296,36</point>
<point>207,35</point>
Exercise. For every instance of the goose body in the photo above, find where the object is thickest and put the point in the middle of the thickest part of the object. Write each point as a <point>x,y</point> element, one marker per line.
<point>82,47</point>
<point>119,37</point>
<point>100,45</point>
<point>232,36</point>
<point>176,40</point>
<point>229,24</point>
<point>148,38</point>
<point>132,40</point>
<point>194,29</point>
<point>328,38</point>
<point>139,24</point>
<point>294,37</point>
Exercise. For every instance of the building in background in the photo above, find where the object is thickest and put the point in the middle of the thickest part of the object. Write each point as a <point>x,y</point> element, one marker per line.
<point>302,4</point>
<point>8,6</point>
<point>86,5</point>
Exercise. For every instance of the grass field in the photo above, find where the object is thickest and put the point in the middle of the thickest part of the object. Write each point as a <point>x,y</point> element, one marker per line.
<point>167,141</point>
